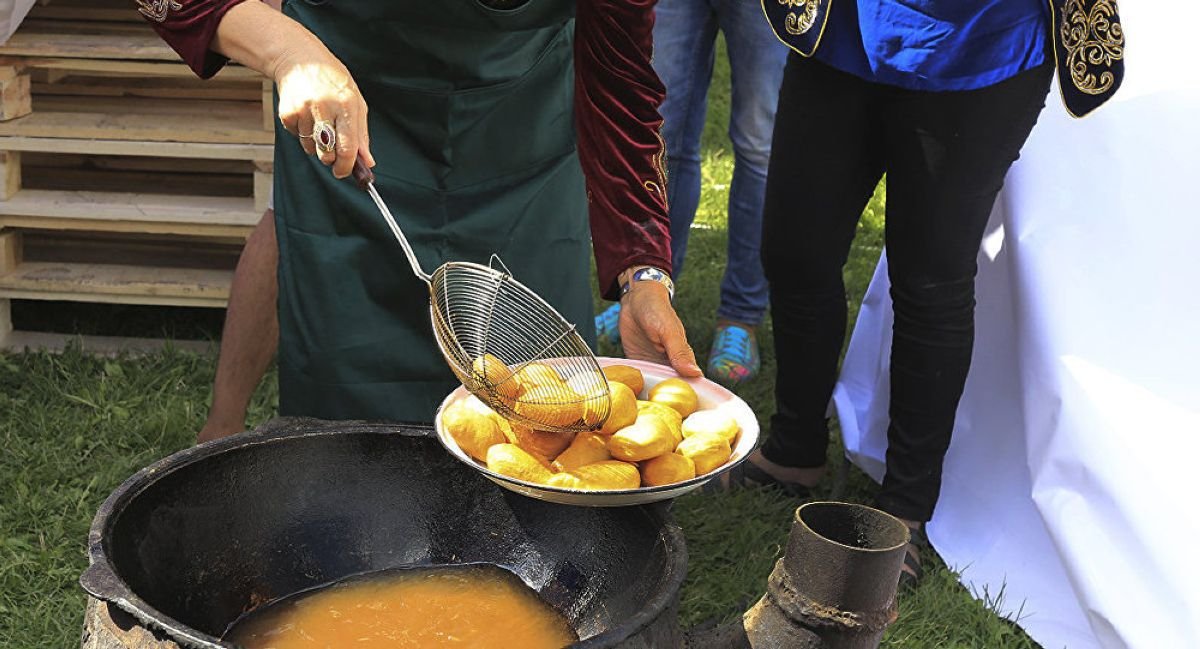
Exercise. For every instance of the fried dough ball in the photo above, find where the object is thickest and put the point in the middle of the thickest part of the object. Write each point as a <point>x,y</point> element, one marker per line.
<point>666,469</point>
<point>543,445</point>
<point>495,373</point>
<point>473,428</point>
<point>630,376</point>
<point>587,448</point>
<point>607,475</point>
<point>567,481</point>
<point>677,394</point>
<point>593,394</point>
<point>716,422</point>
<point>647,438</point>
<point>623,411</point>
<point>707,450</point>
<point>668,415</point>
<point>538,375</point>
<point>550,406</point>
<point>512,461</point>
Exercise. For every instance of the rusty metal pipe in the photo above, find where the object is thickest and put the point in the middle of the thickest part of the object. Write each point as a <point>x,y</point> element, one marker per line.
<point>834,588</point>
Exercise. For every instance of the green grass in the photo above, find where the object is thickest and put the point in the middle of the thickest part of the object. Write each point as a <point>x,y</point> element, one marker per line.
<point>72,427</point>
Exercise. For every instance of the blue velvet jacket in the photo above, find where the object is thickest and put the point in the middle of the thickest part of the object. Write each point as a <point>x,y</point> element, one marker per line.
<point>1089,43</point>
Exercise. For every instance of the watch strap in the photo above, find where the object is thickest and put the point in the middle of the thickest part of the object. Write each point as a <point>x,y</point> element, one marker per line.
<point>650,274</point>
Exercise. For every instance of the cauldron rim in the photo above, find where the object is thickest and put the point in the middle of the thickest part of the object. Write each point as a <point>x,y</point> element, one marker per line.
<point>100,579</point>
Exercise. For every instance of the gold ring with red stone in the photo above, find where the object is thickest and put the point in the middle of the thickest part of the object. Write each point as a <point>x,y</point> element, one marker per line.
<point>324,136</point>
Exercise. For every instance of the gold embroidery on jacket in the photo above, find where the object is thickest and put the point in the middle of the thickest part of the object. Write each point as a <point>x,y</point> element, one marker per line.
<point>799,24</point>
<point>156,10</point>
<point>660,166</point>
<point>1092,40</point>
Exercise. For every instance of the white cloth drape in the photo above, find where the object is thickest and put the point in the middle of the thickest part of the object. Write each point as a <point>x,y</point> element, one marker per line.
<point>1070,489</point>
<point>12,12</point>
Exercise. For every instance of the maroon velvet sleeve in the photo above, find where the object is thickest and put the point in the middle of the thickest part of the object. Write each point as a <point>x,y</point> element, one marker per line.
<point>189,29</point>
<point>617,95</point>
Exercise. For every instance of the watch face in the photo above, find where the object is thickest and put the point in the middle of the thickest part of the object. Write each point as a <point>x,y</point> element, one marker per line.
<point>651,274</point>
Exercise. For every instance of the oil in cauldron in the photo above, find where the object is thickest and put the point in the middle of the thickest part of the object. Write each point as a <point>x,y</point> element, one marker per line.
<point>409,608</point>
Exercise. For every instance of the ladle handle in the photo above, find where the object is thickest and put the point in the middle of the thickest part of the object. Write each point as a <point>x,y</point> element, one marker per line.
<point>362,174</point>
<point>366,181</point>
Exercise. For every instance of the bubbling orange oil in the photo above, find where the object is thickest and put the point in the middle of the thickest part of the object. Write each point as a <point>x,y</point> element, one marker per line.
<point>469,606</point>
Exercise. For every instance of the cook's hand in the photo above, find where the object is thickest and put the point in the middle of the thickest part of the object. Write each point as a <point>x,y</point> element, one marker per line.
<point>320,103</point>
<point>651,331</point>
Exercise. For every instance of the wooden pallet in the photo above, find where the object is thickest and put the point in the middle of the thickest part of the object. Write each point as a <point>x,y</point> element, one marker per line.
<point>203,197</point>
<point>123,178</point>
<point>79,267</point>
<point>88,77</point>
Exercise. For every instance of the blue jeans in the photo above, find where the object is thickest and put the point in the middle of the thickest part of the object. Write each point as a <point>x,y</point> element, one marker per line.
<point>685,33</point>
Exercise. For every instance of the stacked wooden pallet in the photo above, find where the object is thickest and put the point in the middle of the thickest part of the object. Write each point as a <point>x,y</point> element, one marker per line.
<point>123,178</point>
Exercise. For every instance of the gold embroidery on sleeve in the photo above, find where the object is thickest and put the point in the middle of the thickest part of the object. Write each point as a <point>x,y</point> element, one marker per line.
<point>157,10</point>
<point>660,166</point>
<point>798,24</point>
<point>1092,39</point>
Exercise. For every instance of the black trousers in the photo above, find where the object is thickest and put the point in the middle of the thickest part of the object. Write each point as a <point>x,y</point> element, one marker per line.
<point>945,155</point>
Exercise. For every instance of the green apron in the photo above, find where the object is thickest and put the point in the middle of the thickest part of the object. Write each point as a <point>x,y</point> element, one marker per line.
<point>472,129</point>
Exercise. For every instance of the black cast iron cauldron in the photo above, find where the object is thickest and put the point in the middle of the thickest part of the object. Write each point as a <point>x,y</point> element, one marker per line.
<point>188,544</point>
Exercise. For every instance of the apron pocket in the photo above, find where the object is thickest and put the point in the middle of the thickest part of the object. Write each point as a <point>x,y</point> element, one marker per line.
<point>505,128</point>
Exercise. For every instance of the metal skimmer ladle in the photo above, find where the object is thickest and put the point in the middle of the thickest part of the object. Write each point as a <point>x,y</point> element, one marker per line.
<point>492,330</point>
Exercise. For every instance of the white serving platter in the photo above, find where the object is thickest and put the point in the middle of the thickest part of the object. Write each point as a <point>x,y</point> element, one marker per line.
<point>712,396</point>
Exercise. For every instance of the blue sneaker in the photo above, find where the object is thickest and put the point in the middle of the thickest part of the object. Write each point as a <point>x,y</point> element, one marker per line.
<point>733,359</point>
<point>607,324</point>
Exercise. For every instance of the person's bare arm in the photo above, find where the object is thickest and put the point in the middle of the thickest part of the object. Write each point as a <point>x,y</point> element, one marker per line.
<point>314,86</point>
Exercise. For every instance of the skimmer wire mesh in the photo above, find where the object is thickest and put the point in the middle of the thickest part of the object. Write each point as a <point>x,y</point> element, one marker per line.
<point>514,351</point>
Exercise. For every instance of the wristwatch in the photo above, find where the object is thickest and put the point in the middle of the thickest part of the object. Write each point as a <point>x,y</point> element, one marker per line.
<point>650,274</point>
